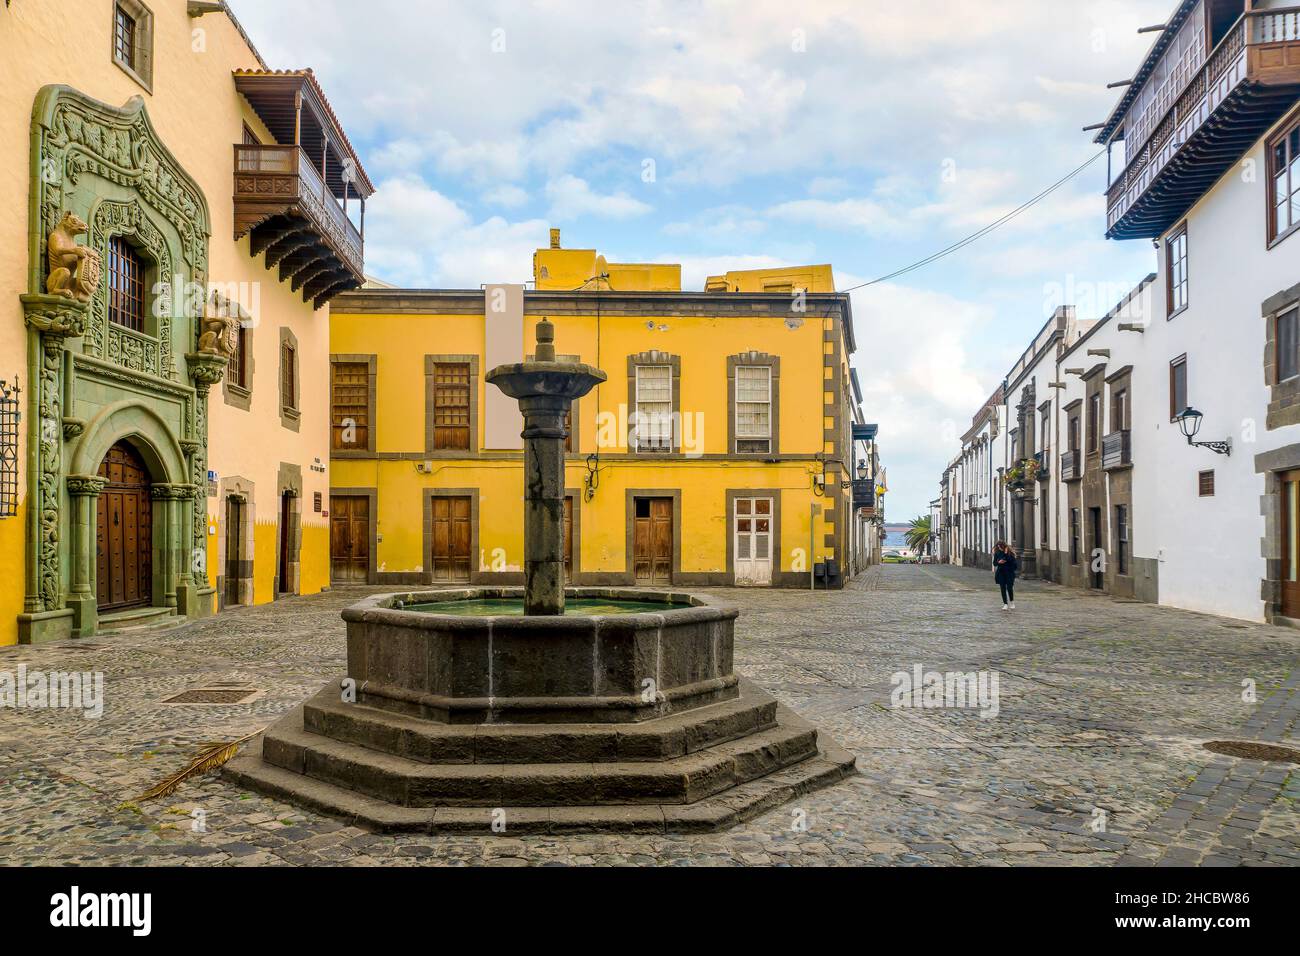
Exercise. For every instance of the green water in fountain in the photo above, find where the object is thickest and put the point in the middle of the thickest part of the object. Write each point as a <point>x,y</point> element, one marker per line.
<point>514,607</point>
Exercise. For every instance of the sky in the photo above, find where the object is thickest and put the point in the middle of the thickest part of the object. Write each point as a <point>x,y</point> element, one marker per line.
<point>867,134</point>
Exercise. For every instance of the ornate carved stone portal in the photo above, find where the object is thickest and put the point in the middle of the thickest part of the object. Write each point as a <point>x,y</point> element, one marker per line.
<point>103,172</point>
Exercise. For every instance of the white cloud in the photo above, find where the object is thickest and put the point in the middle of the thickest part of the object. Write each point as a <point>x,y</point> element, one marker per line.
<point>572,198</point>
<point>507,195</point>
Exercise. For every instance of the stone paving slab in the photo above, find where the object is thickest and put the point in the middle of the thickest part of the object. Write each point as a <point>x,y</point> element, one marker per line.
<point>1103,710</point>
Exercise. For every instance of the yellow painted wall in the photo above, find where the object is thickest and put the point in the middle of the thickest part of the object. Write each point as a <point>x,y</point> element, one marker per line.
<point>808,278</point>
<point>401,342</point>
<point>199,115</point>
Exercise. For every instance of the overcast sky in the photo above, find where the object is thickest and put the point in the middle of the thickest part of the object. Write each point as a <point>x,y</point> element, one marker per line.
<point>863,133</point>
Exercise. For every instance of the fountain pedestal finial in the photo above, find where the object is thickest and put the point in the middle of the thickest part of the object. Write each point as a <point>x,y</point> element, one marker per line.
<point>545,390</point>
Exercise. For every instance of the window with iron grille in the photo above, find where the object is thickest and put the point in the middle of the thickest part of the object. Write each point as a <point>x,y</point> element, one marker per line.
<point>237,370</point>
<point>654,408</point>
<point>451,406</point>
<point>10,417</point>
<point>125,285</point>
<point>350,406</point>
<point>1121,538</point>
<point>753,410</point>
<point>288,375</point>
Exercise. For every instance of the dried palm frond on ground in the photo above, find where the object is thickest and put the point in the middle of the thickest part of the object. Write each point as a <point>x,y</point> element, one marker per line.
<point>210,759</point>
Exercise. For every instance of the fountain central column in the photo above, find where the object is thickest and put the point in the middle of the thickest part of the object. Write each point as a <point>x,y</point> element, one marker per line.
<point>545,390</point>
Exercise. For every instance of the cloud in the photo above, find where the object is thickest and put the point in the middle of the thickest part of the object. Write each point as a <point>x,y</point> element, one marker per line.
<point>572,198</point>
<point>506,195</point>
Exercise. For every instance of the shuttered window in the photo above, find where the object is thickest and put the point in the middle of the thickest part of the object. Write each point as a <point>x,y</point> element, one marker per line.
<point>350,406</point>
<point>451,406</point>
<point>654,408</point>
<point>288,375</point>
<point>753,410</point>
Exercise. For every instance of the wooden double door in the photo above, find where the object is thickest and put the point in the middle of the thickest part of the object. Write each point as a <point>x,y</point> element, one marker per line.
<point>124,533</point>
<point>451,530</point>
<point>652,541</point>
<point>350,539</point>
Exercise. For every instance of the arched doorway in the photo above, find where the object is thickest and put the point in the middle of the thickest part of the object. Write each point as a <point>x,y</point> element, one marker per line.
<point>124,532</point>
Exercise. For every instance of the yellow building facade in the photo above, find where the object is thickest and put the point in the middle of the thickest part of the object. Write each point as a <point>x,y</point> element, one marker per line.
<point>717,453</point>
<point>172,444</point>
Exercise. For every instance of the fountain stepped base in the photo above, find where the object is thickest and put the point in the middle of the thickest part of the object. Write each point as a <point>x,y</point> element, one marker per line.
<point>702,771</point>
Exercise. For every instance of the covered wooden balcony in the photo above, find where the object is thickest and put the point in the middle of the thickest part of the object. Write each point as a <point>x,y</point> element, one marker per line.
<point>1211,109</point>
<point>297,198</point>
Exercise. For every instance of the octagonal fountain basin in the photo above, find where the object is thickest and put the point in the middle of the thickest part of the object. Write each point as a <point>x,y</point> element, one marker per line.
<point>471,655</point>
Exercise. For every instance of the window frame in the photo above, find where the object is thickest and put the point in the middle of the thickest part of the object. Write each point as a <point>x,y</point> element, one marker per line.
<point>289,380</point>
<point>139,65</point>
<point>1174,366</point>
<point>436,406</point>
<point>1075,521</point>
<point>1122,533</point>
<point>1289,139</point>
<point>357,449</point>
<point>1178,234</point>
<point>1094,423</point>
<point>736,403</point>
<point>134,285</point>
<point>1294,312</point>
<point>642,446</point>
<point>1119,409</point>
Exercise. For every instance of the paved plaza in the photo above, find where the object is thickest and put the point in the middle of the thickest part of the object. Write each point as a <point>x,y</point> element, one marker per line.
<point>1095,755</point>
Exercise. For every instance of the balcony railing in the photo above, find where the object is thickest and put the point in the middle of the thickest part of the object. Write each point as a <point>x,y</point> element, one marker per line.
<point>1117,450</point>
<point>282,181</point>
<point>1246,77</point>
<point>1044,459</point>
<point>1071,466</point>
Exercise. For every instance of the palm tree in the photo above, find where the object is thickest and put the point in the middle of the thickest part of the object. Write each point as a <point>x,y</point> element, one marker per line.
<point>918,534</point>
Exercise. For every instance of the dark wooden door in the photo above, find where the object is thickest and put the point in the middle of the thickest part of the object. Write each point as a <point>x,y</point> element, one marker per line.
<point>234,556</point>
<point>1096,567</point>
<point>350,539</point>
<point>652,541</point>
<point>451,540</point>
<point>286,544</point>
<point>1291,544</point>
<point>568,539</point>
<point>124,533</point>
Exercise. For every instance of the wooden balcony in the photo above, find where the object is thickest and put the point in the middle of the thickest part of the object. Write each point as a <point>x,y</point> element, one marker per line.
<point>1204,118</point>
<point>1072,466</point>
<point>1044,460</point>
<point>281,200</point>
<point>1117,450</point>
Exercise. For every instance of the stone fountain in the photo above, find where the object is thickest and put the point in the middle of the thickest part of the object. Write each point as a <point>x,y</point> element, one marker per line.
<point>541,709</point>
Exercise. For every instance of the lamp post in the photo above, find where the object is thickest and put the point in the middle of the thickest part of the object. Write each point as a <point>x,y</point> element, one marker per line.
<point>1190,421</point>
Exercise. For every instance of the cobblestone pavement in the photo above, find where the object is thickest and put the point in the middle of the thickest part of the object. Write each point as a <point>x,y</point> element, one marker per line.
<point>1104,707</point>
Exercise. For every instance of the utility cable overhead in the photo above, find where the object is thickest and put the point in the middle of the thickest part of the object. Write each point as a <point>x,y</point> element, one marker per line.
<point>975,237</point>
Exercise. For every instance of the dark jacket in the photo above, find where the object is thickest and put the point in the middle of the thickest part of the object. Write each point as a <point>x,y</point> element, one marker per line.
<point>1006,567</point>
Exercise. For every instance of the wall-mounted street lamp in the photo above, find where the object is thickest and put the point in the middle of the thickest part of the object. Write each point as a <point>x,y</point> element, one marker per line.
<point>1190,421</point>
<point>862,471</point>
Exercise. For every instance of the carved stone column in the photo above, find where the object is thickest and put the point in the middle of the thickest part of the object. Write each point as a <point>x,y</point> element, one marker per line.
<point>84,492</point>
<point>52,320</point>
<point>194,594</point>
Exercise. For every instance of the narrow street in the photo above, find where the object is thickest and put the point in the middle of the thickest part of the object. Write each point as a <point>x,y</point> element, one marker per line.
<point>1094,756</point>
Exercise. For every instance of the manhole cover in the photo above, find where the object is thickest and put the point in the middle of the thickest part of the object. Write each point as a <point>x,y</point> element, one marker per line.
<point>1252,751</point>
<point>213,695</point>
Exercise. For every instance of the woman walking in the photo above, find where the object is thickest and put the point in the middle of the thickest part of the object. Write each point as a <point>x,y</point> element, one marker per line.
<point>1005,568</point>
